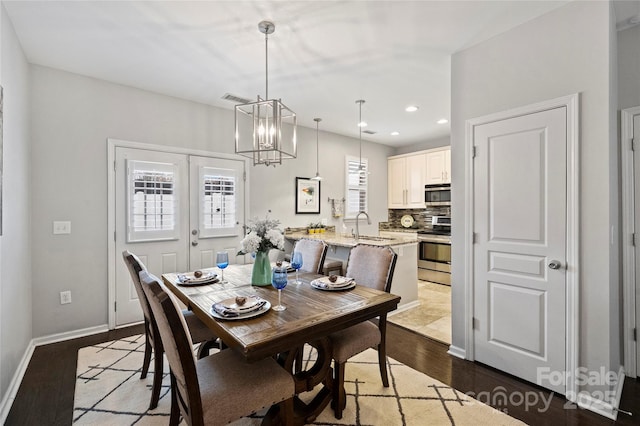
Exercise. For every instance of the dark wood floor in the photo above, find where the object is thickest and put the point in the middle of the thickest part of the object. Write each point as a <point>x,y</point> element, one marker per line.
<point>45,396</point>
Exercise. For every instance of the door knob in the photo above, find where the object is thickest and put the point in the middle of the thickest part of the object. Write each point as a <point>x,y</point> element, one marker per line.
<point>194,243</point>
<point>555,264</point>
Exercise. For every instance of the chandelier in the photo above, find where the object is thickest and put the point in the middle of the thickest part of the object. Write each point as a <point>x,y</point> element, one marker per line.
<point>265,130</point>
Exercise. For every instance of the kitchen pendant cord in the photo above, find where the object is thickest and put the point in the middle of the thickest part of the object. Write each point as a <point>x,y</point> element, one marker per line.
<point>360,101</point>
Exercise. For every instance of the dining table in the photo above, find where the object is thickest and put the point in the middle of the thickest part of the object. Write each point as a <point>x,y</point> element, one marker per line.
<point>311,315</point>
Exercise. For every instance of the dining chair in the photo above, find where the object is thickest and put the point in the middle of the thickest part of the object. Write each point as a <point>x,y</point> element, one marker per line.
<point>373,267</point>
<point>219,388</point>
<point>313,254</point>
<point>200,333</point>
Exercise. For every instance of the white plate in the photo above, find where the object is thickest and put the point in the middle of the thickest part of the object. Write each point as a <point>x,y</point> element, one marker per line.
<point>406,221</point>
<point>248,315</point>
<point>347,284</point>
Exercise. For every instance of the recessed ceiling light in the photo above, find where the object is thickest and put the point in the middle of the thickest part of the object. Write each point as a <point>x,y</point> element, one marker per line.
<point>395,133</point>
<point>411,108</point>
<point>442,121</point>
<point>362,124</point>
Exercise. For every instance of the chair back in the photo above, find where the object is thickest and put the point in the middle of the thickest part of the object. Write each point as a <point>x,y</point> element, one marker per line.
<point>313,254</point>
<point>372,266</point>
<point>135,266</point>
<point>178,347</point>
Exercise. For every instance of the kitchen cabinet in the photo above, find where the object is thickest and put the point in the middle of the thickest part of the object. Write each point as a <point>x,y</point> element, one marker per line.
<point>438,167</point>
<point>406,180</point>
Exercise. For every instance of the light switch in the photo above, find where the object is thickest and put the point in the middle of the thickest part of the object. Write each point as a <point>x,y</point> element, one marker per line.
<point>61,227</point>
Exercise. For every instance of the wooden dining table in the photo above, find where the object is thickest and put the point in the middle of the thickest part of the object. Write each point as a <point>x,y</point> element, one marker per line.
<point>311,316</point>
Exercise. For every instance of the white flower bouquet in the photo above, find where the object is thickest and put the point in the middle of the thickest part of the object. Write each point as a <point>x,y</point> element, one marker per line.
<point>262,236</point>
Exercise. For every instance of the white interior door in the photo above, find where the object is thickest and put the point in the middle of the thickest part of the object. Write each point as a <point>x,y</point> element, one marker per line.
<point>217,212</point>
<point>174,211</point>
<point>152,221</point>
<point>520,250</point>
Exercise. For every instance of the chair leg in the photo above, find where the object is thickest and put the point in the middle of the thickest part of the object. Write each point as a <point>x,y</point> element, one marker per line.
<point>158,366</point>
<point>147,351</point>
<point>297,366</point>
<point>174,417</point>
<point>286,412</point>
<point>382,362</point>
<point>338,390</point>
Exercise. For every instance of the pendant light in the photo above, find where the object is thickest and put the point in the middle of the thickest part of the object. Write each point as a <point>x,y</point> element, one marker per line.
<point>317,176</point>
<point>361,124</point>
<point>265,131</point>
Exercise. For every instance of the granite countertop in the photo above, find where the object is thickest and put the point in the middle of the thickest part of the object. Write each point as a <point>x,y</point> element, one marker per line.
<point>333,239</point>
<point>408,230</point>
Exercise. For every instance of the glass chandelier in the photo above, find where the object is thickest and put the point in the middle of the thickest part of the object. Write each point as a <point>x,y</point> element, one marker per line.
<point>265,130</point>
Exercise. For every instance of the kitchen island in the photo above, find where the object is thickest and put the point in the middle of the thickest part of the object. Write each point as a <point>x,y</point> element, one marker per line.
<point>405,277</point>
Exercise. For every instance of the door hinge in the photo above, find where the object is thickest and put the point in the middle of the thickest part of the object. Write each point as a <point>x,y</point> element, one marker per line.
<point>114,236</point>
<point>474,238</point>
<point>635,336</point>
<point>474,152</point>
<point>114,166</point>
<point>633,144</point>
<point>115,306</point>
<point>475,323</point>
<point>633,239</point>
<point>244,176</point>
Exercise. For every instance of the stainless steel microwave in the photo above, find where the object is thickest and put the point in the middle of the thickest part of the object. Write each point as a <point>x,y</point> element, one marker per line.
<point>437,195</point>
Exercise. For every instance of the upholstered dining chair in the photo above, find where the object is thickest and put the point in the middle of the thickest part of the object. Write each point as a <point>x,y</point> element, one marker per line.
<point>313,254</point>
<point>373,267</point>
<point>200,333</point>
<point>218,388</point>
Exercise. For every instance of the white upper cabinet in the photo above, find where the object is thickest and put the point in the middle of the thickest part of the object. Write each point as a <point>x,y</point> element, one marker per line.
<point>438,167</point>
<point>406,180</point>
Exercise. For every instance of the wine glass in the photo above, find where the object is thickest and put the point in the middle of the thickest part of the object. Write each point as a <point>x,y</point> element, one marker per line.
<point>222,261</point>
<point>279,281</point>
<point>296,263</point>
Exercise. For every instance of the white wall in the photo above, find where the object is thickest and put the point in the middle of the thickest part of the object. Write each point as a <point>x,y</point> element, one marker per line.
<point>629,67</point>
<point>15,246</point>
<point>72,118</point>
<point>563,52</point>
<point>420,146</point>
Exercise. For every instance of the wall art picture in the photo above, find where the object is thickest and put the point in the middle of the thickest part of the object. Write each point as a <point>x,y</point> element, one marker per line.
<point>307,196</point>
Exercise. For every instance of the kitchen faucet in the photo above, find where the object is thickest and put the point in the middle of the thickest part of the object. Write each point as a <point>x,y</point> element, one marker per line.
<point>357,236</point>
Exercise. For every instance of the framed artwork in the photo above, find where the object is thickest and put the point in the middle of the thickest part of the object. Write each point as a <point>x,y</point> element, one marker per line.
<point>307,196</point>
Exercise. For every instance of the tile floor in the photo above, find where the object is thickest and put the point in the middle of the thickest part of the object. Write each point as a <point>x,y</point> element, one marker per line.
<point>433,317</point>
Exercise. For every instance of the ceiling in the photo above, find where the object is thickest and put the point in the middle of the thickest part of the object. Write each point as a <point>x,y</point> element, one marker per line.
<point>323,56</point>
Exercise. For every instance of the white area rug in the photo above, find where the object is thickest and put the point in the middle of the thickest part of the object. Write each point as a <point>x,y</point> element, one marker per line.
<point>109,391</point>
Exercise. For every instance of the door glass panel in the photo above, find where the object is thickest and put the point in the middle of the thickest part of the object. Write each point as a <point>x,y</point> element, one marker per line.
<point>152,201</point>
<point>219,203</point>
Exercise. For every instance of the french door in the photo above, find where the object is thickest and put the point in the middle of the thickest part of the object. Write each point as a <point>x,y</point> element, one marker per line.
<point>175,211</point>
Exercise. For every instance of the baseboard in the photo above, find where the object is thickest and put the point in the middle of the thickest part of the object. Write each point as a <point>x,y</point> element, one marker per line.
<point>403,308</point>
<point>12,390</point>
<point>457,352</point>
<point>606,409</point>
<point>60,337</point>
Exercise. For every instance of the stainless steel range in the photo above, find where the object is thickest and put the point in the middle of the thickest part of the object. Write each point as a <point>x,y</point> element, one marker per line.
<point>434,251</point>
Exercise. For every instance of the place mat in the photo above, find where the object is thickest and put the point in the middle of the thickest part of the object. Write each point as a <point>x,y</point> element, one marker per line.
<point>109,391</point>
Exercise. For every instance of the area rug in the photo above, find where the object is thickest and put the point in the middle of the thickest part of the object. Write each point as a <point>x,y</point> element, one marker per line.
<point>109,391</point>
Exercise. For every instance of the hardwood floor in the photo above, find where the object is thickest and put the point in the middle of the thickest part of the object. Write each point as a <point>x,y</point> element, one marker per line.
<point>45,396</point>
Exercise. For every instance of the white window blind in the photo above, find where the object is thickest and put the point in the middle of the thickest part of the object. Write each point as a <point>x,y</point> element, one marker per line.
<point>152,201</point>
<point>357,186</point>
<point>218,215</point>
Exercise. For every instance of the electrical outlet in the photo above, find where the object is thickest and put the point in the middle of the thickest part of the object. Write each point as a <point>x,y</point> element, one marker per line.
<point>65,297</point>
<point>61,227</point>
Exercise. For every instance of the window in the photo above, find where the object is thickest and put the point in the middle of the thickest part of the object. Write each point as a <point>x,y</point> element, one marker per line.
<point>152,201</point>
<point>357,186</point>
<point>219,203</point>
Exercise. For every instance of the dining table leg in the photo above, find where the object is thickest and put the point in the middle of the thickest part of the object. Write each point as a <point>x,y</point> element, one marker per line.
<point>306,379</point>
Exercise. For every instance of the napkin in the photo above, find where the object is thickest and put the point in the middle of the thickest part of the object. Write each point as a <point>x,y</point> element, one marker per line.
<point>226,311</point>
<point>325,283</point>
<point>184,279</point>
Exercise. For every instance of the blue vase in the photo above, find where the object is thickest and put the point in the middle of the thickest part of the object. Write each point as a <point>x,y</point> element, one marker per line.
<point>261,275</point>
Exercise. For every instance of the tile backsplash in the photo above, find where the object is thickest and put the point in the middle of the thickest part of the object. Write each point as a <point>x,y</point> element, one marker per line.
<point>421,217</point>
